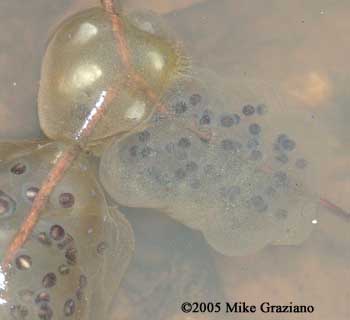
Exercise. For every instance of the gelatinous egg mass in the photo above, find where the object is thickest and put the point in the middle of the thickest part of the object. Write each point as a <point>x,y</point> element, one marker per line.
<point>240,170</point>
<point>73,261</point>
<point>82,63</point>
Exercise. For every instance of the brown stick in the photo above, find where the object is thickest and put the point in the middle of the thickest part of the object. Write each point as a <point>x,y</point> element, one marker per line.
<point>119,34</point>
<point>338,211</point>
<point>124,52</point>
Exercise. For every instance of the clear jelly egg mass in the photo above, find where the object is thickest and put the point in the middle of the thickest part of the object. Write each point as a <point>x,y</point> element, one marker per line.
<point>73,261</point>
<point>82,62</point>
<point>233,168</point>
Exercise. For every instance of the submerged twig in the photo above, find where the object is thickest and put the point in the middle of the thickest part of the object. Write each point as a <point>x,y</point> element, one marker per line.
<point>126,57</point>
<point>335,209</point>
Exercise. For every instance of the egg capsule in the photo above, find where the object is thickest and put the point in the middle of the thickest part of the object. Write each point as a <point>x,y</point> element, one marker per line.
<point>73,261</point>
<point>83,62</point>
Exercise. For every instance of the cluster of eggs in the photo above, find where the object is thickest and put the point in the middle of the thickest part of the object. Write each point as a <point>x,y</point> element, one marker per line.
<point>78,251</point>
<point>229,167</point>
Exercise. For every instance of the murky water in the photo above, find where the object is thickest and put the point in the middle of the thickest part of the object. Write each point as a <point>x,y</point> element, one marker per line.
<point>292,53</point>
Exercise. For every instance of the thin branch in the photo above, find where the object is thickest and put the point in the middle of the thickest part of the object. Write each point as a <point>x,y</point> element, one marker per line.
<point>124,52</point>
<point>119,34</point>
<point>335,209</point>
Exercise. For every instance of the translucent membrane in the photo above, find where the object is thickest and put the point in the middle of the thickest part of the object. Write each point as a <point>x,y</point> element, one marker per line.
<point>73,261</point>
<point>232,163</point>
<point>83,63</point>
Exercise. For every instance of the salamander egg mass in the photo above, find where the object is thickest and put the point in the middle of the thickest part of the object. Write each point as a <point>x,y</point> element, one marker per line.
<point>82,62</point>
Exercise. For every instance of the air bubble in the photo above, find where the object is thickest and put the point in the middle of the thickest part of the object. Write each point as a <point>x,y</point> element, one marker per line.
<point>63,269</point>
<point>23,262</point>
<point>31,193</point>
